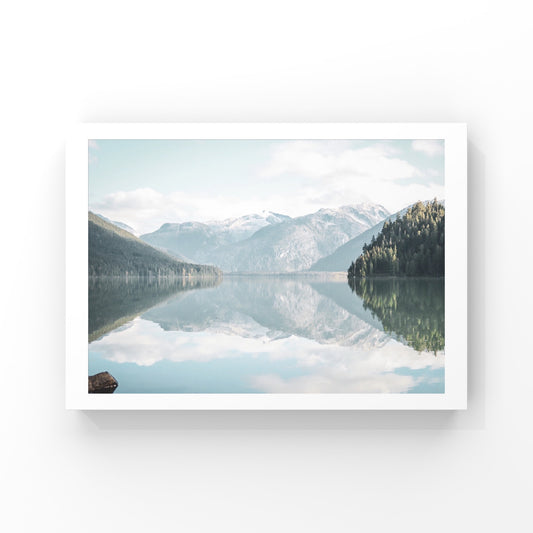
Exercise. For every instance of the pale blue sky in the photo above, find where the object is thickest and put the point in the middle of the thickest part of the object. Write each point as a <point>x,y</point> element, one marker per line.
<point>146,183</point>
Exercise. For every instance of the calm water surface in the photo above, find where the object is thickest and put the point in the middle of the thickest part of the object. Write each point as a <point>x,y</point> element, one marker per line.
<point>268,334</point>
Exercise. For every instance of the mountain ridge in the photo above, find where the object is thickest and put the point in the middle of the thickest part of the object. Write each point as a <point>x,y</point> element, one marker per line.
<point>284,244</point>
<point>194,240</point>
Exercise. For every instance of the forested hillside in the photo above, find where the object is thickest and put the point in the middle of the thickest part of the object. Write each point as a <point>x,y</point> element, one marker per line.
<point>116,252</point>
<point>412,245</point>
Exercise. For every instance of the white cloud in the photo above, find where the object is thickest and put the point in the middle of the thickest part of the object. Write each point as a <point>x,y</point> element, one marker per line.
<point>300,178</point>
<point>428,147</point>
<point>334,174</point>
<point>325,367</point>
<point>335,382</point>
<point>332,160</point>
<point>146,210</point>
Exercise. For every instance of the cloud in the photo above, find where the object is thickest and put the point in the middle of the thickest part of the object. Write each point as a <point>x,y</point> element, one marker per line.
<point>300,177</point>
<point>146,209</point>
<point>330,160</point>
<point>430,148</point>
<point>382,383</point>
<point>324,367</point>
<point>145,343</point>
<point>333,173</point>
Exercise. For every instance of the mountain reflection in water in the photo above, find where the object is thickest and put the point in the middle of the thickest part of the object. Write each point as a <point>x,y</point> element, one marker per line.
<point>268,334</point>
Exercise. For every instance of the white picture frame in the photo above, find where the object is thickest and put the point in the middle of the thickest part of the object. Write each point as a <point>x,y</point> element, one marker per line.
<point>455,141</point>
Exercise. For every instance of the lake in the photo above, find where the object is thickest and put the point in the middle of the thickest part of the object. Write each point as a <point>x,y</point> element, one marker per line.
<point>268,334</point>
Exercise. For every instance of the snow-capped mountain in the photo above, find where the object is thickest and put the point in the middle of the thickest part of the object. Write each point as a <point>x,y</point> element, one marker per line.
<point>195,240</point>
<point>296,244</point>
<point>267,242</point>
<point>238,229</point>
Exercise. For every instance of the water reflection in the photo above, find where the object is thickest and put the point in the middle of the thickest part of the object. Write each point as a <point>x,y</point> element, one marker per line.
<point>411,309</point>
<point>258,334</point>
<point>114,301</point>
<point>274,307</point>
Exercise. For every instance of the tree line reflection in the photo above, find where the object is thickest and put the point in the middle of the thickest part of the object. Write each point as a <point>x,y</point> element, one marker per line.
<point>412,310</point>
<point>114,301</point>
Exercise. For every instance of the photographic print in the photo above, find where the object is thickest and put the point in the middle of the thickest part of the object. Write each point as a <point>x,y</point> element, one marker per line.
<point>286,268</point>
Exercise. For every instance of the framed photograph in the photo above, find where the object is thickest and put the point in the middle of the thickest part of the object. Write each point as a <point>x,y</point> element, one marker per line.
<point>266,266</point>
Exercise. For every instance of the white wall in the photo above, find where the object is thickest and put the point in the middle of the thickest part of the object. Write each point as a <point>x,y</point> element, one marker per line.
<point>68,62</point>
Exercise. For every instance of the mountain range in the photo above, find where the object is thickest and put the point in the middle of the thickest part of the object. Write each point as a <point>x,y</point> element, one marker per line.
<point>267,242</point>
<point>194,241</point>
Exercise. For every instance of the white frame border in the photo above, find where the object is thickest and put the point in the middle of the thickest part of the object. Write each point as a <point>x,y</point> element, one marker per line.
<point>455,395</point>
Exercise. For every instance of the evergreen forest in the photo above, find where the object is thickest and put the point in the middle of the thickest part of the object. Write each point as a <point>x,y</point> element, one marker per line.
<point>412,245</point>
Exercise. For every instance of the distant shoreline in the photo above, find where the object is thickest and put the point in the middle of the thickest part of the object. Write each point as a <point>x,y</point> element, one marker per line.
<point>156,276</point>
<point>387,276</point>
<point>300,274</point>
